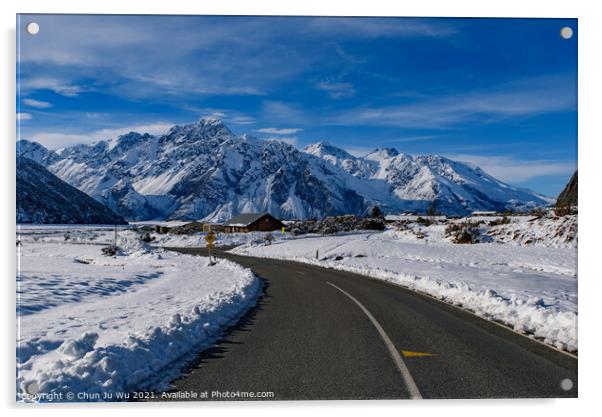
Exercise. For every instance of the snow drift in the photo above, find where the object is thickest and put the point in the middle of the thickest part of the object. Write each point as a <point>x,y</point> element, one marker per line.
<point>85,328</point>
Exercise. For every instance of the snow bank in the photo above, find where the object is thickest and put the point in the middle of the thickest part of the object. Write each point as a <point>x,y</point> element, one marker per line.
<point>550,231</point>
<point>222,239</point>
<point>116,324</point>
<point>531,289</point>
<point>560,232</point>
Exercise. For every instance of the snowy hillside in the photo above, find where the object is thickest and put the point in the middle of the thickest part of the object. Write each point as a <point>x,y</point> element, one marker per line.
<point>118,324</point>
<point>204,171</point>
<point>44,198</point>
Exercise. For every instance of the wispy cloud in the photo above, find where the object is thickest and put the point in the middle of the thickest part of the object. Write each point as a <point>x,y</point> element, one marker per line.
<point>56,140</point>
<point>24,116</point>
<point>123,54</point>
<point>518,99</point>
<point>284,112</point>
<point>36,103</point>
<point>516,171</point>
<point>276,131</point>
<point>409,139</point>
<point>347,57</point>
<point>242,120</point>
<point>337,90</point>
<point>380,27</point>
<point>229,116</point>
<point>214,55</point>
<point>59,87</point>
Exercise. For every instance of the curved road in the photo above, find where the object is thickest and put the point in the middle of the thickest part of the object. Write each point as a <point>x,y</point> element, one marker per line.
<point>326,334</point>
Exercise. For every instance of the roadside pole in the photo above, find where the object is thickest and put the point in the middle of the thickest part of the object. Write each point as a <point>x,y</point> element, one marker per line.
<point>210,239</point>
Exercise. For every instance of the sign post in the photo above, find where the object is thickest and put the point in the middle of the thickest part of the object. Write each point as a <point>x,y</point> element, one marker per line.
<point>210,239</point>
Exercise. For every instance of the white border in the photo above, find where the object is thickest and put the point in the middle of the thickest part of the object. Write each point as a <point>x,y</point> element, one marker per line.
<point>590,158</point>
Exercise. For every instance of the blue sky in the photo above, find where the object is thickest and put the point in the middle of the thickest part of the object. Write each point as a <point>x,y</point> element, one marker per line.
<point>501,93</point>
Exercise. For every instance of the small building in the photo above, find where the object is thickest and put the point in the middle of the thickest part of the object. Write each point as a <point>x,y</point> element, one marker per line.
<point>252,222</point>
<point>187,228</point>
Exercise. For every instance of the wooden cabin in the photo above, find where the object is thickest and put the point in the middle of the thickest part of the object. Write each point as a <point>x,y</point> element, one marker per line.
<point>252,222</point>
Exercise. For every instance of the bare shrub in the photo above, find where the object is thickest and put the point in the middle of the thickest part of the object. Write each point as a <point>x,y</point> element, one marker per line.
<point>563,210</point>
<point>498,222</point>
<point>463,233</point>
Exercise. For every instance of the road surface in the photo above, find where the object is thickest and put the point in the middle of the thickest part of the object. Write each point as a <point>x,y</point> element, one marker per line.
<point>325,334</point>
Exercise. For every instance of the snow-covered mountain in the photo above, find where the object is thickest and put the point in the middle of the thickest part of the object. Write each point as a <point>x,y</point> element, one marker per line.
<point>204,171</point>
<point>421,181</point>
<point>44,198</point>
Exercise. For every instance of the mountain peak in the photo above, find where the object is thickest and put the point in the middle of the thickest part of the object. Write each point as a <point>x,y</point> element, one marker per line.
<point>324,148</point>
<point>205,128</point>
<point>36,152</point>
<point>379,154</point>
<point>211,121</point>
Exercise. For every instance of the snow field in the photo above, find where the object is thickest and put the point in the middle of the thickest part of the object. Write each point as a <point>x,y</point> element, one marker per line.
<point>117,324</point>
<point>105,234</point>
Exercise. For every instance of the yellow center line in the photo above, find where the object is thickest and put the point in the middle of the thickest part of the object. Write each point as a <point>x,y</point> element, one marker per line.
<point>412,354</point>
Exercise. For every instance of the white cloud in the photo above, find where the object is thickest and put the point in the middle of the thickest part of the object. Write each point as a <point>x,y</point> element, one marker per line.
<point>55,140</point>
<point>337,90</point>
<point>409,139</point>
<point>515,171</point>
<point>63,88</point>
<point>24,116</point>
<point>37,103</point>
<point>242,120</point>
<point>276,131</point>
<point>217,114</point>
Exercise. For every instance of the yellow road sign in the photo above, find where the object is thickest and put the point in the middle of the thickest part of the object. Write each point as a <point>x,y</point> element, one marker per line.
<point>210,238</point>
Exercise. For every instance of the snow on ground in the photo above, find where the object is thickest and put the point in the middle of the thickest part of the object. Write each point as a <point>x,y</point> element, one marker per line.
<point>88,323</point>
<point>530,288</point>
<point>546,231</point>
<point>560,232</point>
<point>222,239</point>
<point>106,235</point>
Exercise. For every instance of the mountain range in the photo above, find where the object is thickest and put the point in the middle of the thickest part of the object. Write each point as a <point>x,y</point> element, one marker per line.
<point>204,171</point>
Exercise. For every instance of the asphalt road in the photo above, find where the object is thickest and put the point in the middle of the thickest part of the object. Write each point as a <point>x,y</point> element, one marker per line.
<point>324,334</point>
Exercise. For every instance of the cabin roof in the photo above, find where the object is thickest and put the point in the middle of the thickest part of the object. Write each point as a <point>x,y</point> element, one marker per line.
<point>245,219</point>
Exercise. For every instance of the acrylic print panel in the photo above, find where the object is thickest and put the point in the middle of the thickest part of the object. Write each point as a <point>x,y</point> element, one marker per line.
<point>295,208</point>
